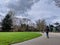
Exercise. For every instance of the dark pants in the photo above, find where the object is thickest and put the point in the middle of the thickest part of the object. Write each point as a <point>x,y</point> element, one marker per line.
<point>47,34</point>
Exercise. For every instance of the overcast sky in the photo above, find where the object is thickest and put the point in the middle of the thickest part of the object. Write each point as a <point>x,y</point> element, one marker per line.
<point>33,9</point>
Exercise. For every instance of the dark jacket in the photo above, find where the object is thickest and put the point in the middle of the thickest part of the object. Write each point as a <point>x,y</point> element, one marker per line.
<point>47,29</point>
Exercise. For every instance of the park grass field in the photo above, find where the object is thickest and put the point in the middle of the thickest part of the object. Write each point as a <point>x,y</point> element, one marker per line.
<point>7,38</point>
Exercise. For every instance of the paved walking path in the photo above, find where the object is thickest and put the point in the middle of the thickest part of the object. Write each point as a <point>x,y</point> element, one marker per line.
<point>53,40</point>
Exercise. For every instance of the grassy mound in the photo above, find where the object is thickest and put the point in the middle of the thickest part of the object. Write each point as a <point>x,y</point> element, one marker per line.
<point>7,38</point>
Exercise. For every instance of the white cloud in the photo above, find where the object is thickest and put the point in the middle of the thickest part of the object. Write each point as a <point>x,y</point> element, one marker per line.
<point>45,9</point>
<point>20,6</point>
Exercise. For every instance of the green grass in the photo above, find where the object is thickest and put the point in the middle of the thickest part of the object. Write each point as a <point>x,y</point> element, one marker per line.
<point>7,38</point>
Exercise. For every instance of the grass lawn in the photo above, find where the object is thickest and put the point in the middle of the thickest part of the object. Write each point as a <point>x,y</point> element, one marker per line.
<point>7,38</point>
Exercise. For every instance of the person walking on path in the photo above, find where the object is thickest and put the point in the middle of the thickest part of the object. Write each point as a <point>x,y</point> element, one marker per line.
<point>47,32</point>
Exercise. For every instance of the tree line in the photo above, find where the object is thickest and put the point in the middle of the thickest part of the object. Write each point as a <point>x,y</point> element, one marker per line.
<point>40,26</point>
<point>7,25</point>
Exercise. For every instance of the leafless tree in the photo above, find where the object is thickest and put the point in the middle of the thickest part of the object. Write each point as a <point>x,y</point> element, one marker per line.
<point>41,24</point>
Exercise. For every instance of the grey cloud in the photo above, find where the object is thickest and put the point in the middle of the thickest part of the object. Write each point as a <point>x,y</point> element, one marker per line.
<point>57,2</point>
<point>21,6</point>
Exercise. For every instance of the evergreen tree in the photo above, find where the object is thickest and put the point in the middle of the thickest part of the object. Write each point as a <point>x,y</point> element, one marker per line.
<point>7,23</point>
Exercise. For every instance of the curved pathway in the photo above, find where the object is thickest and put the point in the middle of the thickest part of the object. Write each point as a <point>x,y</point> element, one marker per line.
<point>53,40</point>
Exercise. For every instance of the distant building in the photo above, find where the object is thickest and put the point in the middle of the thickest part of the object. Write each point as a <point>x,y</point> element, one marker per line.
<point>58,28</point>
